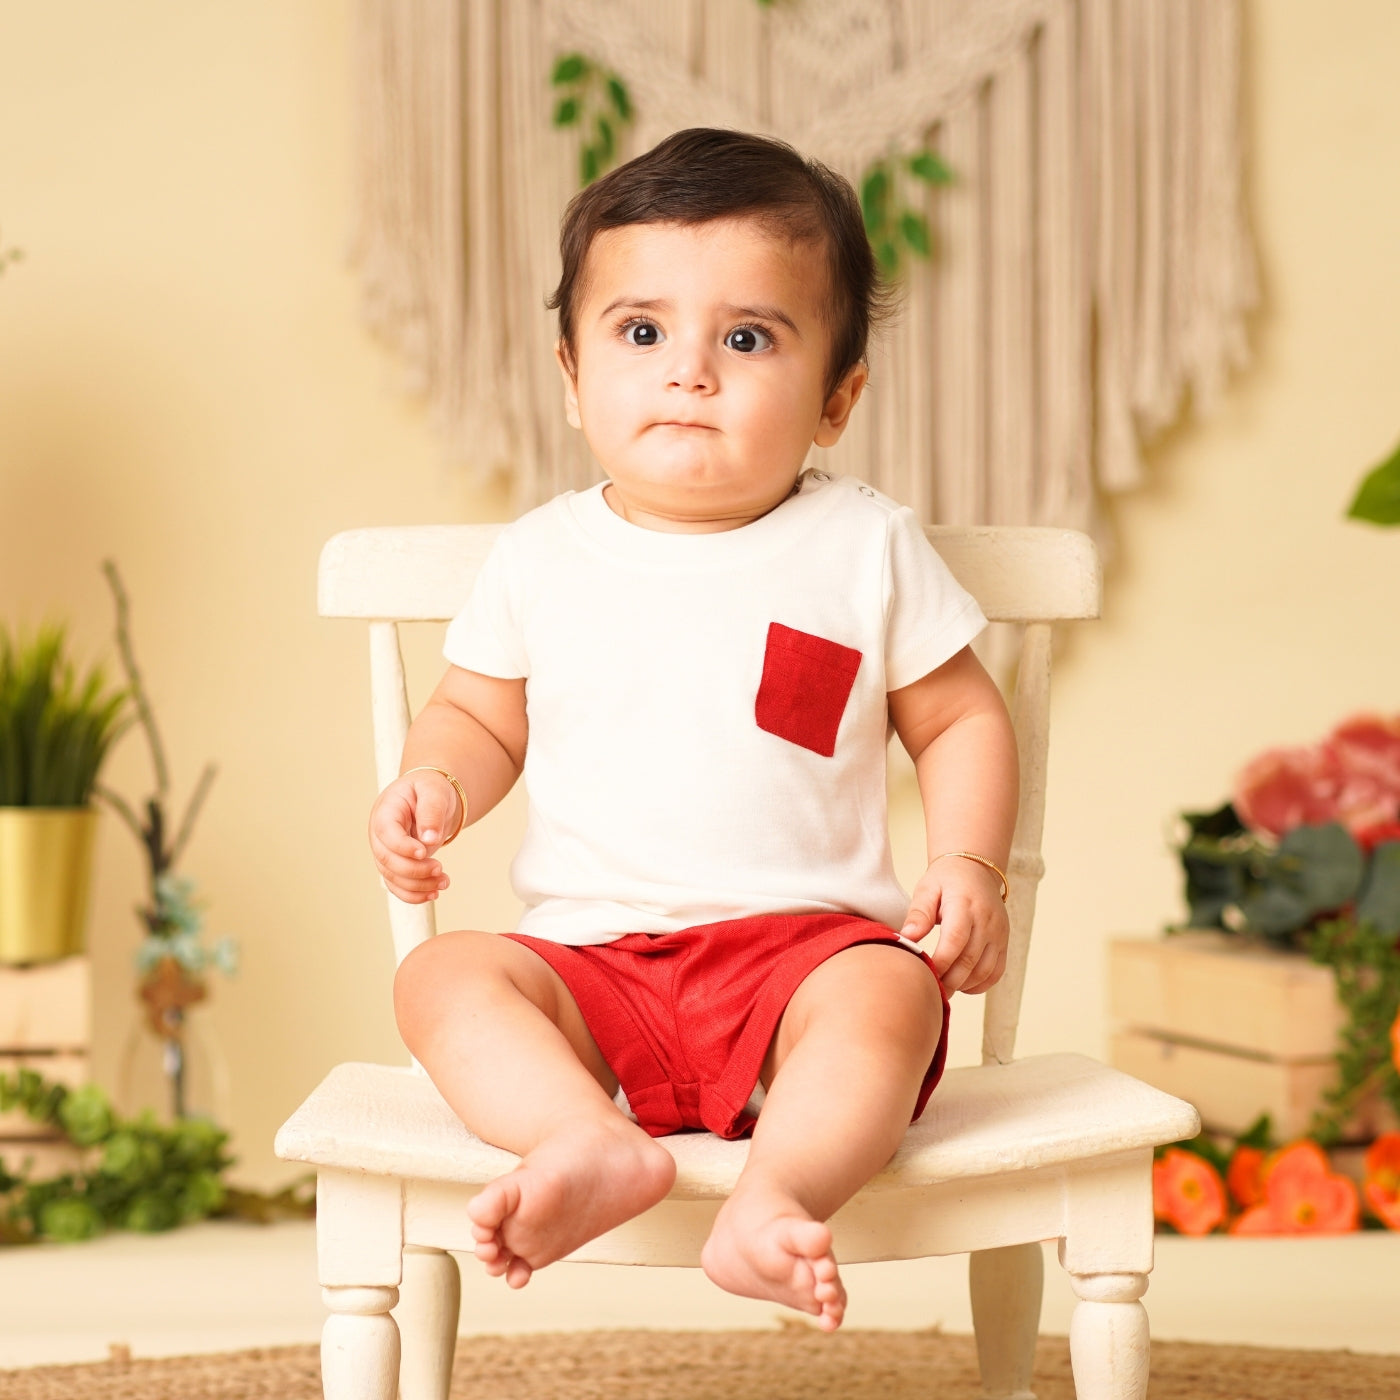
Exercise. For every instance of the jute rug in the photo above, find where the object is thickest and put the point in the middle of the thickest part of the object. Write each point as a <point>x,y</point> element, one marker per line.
<point>796,1363</point>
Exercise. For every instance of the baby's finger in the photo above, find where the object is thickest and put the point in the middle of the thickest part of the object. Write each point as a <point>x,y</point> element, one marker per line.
<point>434,806</point>
<point>392,824</point>
<point>404,867</point>
<point>960,966</point>
<point>410,896</point>
<point>984,975</point>
<point>420,881</point>
<point>953,935</point>
<point>406,884</point>
<point>919,922</point>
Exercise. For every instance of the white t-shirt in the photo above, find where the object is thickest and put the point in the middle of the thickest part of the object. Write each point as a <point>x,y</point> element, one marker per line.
<point>692,755</point>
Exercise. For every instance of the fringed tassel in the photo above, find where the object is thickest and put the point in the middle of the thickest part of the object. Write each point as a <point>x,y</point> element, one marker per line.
<point>1091,264</point>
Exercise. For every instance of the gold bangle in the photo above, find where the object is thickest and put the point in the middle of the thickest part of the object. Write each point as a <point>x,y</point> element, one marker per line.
<point>457,787</point>
<point>981,860</point>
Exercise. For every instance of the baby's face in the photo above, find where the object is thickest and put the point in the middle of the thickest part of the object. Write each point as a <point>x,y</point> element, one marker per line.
<point>701,365</point>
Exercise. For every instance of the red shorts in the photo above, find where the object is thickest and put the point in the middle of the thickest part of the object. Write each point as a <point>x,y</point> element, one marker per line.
<point>685,1019</point>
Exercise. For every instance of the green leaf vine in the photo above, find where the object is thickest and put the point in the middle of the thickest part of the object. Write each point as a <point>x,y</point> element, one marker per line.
<point>1365,965</point>
<point>893,224</point>
<point>133,1174</point>
<point>597,103</point>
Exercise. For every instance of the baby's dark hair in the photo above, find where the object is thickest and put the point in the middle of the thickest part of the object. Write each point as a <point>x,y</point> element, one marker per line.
<point>705,173</point>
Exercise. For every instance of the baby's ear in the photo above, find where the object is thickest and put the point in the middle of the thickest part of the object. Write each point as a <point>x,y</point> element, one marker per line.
<point>561,354</point>
<point>837,411</point>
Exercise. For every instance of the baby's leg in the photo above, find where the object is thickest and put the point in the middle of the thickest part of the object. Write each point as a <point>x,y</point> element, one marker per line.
<point>847,1064</point>
<point>504,1041</point>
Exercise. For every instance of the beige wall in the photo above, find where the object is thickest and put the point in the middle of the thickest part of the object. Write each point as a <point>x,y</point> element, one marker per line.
<point>185,385</point>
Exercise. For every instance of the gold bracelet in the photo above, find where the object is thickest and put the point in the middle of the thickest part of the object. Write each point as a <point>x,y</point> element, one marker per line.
<point>981,860</point>
<point>461,794</point>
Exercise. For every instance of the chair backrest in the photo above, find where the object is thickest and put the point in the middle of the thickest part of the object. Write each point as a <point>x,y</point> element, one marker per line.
<point>1024,575</point>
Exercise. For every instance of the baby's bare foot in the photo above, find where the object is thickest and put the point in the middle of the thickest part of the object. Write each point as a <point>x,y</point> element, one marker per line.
<point>588,1177</point>
<point>764,1245</point>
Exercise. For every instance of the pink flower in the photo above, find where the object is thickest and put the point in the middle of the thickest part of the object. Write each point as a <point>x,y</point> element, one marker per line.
<point>1369,744</point>
<point>1352,777</point>
<point>1284,788</point>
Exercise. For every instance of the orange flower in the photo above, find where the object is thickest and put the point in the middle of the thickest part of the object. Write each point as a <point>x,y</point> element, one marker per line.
<point>1382,1188</point>
<point>1302,1196</point>
<point>1187,1192</point>
<point>1246,1176</point>
<point>1395,1044</point>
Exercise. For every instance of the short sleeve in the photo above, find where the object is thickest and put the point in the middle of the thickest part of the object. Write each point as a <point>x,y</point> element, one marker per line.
<point>929,615</point>
<point>487,635</point>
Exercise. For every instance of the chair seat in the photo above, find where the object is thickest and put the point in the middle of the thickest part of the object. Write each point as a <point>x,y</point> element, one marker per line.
<point>982,1121</point>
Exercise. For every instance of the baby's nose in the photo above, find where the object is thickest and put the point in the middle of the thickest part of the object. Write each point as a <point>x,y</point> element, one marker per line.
<point>692,367</point>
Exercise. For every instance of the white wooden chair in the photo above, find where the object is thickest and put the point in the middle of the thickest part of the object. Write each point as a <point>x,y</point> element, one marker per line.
<point>1008,1153</point>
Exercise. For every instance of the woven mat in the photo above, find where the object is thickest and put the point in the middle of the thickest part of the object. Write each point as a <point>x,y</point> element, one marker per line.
<point>796,1363</point>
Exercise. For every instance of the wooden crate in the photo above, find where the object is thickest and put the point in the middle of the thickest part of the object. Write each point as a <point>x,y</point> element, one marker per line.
<point>1233,1028</point>
<point>45,1025</point>
<point>47,1006</point>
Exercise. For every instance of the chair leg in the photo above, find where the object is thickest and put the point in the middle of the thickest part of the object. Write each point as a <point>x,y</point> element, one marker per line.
<point>1108,1341</point>
<point>1006,1286</point>
<point>360,1344</point>
<point>429,1307</point>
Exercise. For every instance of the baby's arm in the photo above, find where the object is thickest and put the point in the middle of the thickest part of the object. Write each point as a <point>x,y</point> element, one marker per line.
<point>473,727</point>
<point>955,726</point>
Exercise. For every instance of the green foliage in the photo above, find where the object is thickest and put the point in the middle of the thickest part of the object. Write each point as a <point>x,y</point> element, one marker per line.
<point>1378,497</point>
<point>892,222</point>
<point>597,103</point>
<point>175,920</point>
<point>55,730</point>
<point>1378,902</point>
<point>1317,890</point>
<point>1259,1134</point>
<point>85,1115</point>
<point>1365,962</point>
<point>136,1175</point>
<point>1238,881</point>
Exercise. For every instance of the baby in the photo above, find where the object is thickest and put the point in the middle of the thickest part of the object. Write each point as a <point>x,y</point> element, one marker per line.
<point>698,665</point>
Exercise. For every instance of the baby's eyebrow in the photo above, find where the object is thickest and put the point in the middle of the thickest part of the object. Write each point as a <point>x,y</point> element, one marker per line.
<point>758,313</point>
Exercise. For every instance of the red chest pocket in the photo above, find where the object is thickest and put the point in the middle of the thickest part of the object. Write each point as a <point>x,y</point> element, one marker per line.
<point>806,683</point>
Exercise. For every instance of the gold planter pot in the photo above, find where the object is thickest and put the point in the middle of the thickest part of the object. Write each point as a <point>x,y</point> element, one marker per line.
<point>45,869</point>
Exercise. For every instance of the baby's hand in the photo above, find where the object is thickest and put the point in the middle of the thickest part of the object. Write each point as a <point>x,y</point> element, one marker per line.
<point>965,899</point>
<point>406,825</point>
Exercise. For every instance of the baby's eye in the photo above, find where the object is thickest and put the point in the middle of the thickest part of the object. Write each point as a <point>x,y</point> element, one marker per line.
<point>748,339</point>
<point>642,333</point>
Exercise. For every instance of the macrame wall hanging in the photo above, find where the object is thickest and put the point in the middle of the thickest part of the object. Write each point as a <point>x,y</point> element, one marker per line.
<point>1089,273</point>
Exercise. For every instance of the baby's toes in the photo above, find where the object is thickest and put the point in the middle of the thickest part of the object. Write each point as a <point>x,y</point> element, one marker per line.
<point>489,1208</point>
<point>808,1238</point>
<point>493,1255</point>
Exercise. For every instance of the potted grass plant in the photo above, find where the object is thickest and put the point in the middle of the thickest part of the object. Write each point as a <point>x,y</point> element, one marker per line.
<point>55,730</point>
